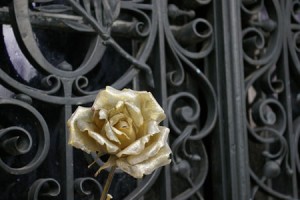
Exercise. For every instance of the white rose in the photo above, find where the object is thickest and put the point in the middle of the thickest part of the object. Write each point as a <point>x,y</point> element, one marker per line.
<point>123,124</point>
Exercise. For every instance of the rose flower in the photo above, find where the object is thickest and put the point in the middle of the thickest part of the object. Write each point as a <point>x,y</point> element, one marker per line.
<point>123,124</point>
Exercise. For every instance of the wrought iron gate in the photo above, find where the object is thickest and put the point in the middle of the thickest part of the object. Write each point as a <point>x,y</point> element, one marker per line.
<point>226,73</point>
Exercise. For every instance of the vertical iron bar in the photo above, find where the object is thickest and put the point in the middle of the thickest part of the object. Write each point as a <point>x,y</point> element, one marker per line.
<point>287,100</point>
<point>231,93</point>
<point>160,72</point>
<point>68,170</point>
<point>218,155</point>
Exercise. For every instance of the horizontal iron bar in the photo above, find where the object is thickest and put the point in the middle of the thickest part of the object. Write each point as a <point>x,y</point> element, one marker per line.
<point>43,20</point>
<point>55,21</point>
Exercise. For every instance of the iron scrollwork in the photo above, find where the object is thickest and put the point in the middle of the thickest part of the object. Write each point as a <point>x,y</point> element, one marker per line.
<point>46,187</point>
<point>16,140</point>
<point>88,187</point>
<point>192,39</point>
<point>182,164</point>
<point>116,43</point>
<point>268,87</point>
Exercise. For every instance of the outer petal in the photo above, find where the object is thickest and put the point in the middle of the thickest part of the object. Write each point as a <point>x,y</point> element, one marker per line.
<point>148,128</point>
<point>80,139</point>
<point>85,124</point>
<point>152,127</point>
<point>157,142</point>
<point>151,110</point>
<point>109,97</point>
<point>148,166</point>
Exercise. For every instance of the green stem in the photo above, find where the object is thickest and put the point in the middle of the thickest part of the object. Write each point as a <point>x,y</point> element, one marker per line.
<point>108,182</point>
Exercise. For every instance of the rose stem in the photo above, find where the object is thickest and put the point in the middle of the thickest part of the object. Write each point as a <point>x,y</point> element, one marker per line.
<point>108,182</point>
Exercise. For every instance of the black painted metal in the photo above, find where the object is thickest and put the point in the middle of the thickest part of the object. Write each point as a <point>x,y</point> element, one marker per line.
<point>226,73</point>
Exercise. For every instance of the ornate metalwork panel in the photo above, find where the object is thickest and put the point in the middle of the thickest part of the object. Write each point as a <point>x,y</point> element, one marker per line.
<point>225,72</point>
<point>271,66</point>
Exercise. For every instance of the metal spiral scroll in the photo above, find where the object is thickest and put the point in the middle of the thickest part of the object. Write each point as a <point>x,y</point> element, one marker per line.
<point>88,187</point>
<point>16,140</point>
<point>184,149</point>
<point>266,119</point>
<point>193,39</point>
<point>46,187</point>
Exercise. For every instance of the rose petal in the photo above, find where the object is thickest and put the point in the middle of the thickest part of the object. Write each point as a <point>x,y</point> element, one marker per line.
<point>148,128</point>
<point>122,125</point>
<point>151,110</point>
<point>109,130</point>
<point>119,108</point>
<point>152,127</point>
<point>120,105</point>
<point>86,124</point>
<point>136,147</point>
<point>103,114</point>
<point>135,114</point>
<point>110,133</point>
<point>109,146</point>
<point>109,97</point>
<point>126,135</point>
<point>148,166</point>
<point>98,122</point>
<point>116,118</point>
<point>156,143</point>
<point>80,139</point>
<point>125,125</point>
<point>119,133</point>
<point>125,138</point>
